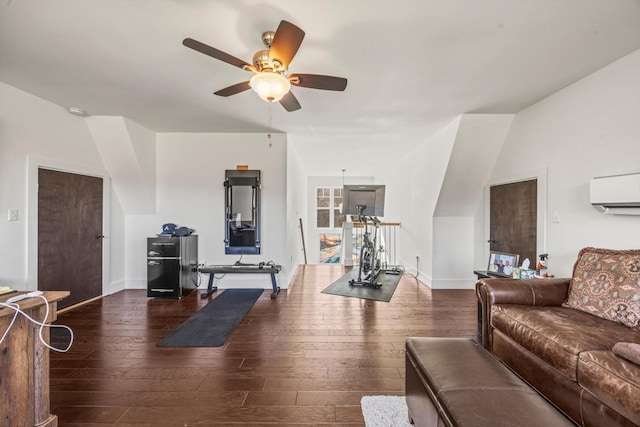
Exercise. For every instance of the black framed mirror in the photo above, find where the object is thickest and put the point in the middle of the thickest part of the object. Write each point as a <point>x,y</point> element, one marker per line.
<point>242,211</point>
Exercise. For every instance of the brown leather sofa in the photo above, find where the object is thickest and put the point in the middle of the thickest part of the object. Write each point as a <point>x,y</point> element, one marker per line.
<point>563,352</point>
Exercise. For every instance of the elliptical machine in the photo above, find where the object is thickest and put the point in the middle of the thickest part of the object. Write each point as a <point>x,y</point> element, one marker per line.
<point>369,260</point>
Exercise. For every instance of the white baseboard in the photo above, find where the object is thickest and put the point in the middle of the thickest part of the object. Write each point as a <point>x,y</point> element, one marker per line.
<point>442,283</point>
<point>113,287</point>
<point>135,284</point>
<point>453,284</point>
<point>420,276</point>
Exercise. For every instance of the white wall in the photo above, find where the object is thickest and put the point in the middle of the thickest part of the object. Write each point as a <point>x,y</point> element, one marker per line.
<point>413,185</point>
<point>296,208</point>
<point>452,252</point>
<point>190,175</point>
<point>590,128</point>
<point>478,142</point>
<point>33,128</point>
<point>128,151</point>
<point>118,251</point>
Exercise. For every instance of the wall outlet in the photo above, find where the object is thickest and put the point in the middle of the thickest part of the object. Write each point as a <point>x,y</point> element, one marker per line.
<point>13,215</point>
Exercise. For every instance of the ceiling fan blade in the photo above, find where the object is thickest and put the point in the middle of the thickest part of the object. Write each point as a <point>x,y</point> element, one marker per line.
<point>318,81</point>
<point>290,102</point>
<point>232,90</point>
<point>286,42</point>
<point>216,53</point>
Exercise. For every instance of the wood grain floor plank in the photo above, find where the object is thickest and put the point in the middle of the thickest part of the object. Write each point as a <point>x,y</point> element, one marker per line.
<point>302,359</point>
<point>92,384</point>
<point>271,398</point>
<point>196,415</point>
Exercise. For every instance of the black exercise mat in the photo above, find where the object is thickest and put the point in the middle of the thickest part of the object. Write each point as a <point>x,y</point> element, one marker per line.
<point>342,287</point>
<point>215,322</point>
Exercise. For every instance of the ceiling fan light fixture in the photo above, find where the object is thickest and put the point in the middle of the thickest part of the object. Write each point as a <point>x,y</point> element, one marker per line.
<point>272,81</point>
<point>270,86</point>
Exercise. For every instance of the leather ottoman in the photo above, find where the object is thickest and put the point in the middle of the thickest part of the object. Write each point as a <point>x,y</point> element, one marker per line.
<point>456,382</point>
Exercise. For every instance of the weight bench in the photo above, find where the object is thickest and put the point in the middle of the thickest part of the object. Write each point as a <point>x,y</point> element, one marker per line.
<point>456,382</point>
<point>212,270</point>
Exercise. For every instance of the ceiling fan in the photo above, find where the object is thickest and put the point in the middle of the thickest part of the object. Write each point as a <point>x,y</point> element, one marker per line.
<point>271,79</point>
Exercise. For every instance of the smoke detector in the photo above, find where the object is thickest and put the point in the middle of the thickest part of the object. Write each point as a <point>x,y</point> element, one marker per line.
<point>76,111</point>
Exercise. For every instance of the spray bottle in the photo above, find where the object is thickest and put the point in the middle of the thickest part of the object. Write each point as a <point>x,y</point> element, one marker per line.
<point>542,265</point>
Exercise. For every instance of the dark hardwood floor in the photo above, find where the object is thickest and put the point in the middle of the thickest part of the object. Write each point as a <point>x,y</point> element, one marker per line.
<point>302,359</point>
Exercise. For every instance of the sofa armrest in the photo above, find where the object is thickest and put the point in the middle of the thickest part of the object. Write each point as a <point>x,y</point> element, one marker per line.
<point>526,292</point>
<point>514,291</point>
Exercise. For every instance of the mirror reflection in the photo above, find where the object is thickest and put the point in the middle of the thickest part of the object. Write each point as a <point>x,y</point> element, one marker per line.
<point>242,216</point>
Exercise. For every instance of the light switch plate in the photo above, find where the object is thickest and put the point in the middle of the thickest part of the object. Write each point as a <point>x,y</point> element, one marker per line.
<point>13,214</point>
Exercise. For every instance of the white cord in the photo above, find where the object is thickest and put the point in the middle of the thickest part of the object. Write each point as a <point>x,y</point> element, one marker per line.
<point>16,308</point>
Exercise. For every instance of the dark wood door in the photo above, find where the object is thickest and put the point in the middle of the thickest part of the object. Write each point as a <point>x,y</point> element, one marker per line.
<point>514,219</point>
<point>70,235</point>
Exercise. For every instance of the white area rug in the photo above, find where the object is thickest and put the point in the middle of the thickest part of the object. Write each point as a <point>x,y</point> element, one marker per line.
<point>385,411</point>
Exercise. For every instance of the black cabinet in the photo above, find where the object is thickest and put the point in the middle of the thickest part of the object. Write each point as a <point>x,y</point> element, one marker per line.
<point>172,266</point>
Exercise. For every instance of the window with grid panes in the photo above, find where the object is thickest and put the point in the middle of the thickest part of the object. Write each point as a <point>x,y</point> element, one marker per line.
<point>328,202</point>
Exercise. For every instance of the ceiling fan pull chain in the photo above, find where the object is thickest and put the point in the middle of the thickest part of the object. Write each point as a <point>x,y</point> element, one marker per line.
<point>269,125</point>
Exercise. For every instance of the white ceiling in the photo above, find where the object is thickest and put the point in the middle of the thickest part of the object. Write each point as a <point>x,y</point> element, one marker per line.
<point>412,65</point>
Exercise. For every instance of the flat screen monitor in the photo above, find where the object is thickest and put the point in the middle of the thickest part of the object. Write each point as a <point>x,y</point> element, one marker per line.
<point>363,199</point>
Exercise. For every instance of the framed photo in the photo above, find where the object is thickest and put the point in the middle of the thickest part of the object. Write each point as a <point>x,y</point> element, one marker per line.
<point>502,263</point>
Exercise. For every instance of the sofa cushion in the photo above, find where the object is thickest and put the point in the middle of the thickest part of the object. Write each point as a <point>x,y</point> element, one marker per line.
<point>556,334</point>
<point>628,350</point>
<point>606,283</point>
<point>613,380</point>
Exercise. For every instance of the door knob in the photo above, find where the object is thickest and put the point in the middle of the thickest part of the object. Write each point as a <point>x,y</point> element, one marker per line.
<point>491,241</point>
<point>99,236</point>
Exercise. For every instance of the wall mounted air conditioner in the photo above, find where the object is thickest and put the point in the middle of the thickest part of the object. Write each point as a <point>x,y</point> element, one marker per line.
<point>619,194</point>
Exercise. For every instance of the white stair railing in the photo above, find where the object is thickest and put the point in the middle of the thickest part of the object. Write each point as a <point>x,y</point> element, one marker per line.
<point>352,238</point>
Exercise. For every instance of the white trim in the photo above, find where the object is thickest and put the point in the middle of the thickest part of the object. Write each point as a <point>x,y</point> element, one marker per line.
<point>422,277</point>
<point>33,164</point>
<point>540,174</point>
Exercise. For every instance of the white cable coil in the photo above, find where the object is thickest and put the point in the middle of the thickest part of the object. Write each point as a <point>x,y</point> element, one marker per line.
<point>11,303</point>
